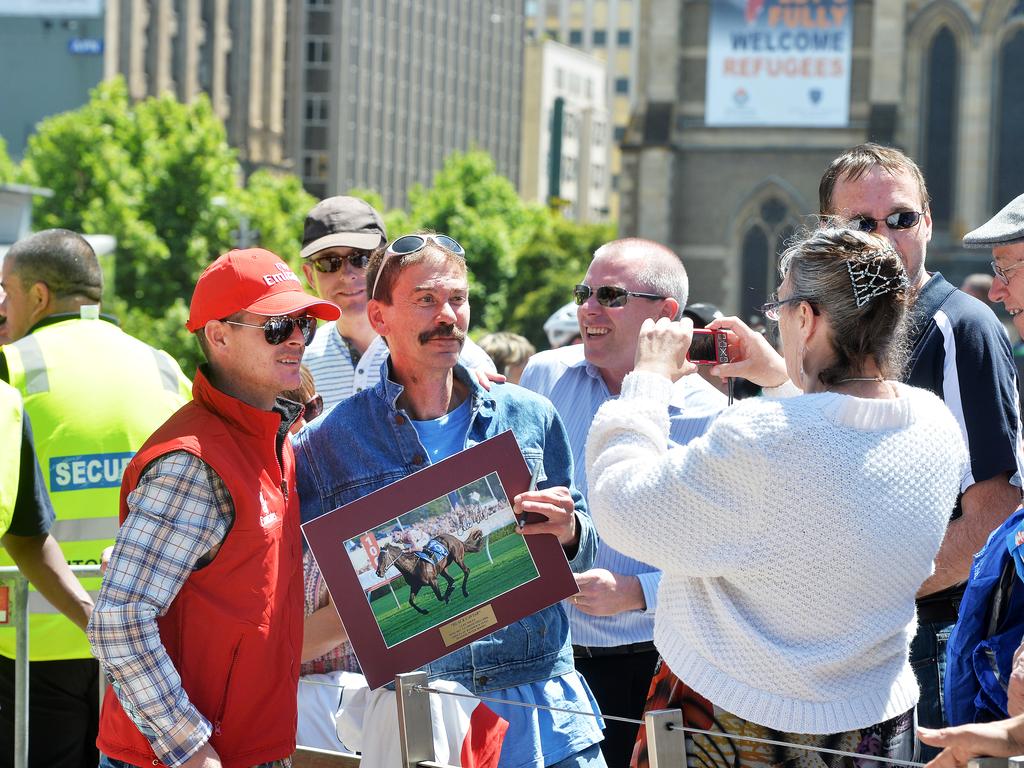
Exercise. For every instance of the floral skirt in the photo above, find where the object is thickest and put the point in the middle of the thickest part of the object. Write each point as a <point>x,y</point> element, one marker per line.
<point>893,739</point>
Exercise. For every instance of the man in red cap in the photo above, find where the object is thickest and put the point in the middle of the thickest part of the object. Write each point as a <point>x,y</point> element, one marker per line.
<point>199,621</point>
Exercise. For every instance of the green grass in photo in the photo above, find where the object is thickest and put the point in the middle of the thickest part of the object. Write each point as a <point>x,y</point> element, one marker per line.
<point>513,565</point>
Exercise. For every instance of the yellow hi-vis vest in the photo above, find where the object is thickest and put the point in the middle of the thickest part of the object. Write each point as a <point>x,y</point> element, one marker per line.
<point>10,439</point>
<point>94,394</point>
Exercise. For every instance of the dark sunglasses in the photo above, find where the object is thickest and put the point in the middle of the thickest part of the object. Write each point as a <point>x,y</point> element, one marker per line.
<point>313,408</point>
<point>407,244</point>
<point>898,220</point>
<point>332,262</point>
<point>609,295</point>
<point>278,330</point>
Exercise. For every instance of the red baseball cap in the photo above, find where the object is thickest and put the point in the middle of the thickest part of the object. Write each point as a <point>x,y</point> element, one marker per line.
<point>254,280</point>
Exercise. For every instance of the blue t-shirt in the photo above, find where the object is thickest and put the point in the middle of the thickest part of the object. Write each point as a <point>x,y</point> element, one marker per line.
<point>445,436</point>
<point>543,737</point>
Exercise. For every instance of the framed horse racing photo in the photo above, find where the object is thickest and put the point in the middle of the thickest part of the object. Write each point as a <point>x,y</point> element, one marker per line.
<point>434,561</point>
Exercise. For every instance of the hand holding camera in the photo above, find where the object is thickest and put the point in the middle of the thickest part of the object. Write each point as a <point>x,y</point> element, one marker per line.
<point>675,349</point>
<point>750,355</point>
<point>662,348</point>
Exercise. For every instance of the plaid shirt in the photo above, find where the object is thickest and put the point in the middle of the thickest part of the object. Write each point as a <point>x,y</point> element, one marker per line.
<point>180,513</point>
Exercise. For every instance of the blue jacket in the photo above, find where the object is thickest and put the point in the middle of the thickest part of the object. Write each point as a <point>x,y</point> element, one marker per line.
<point>367,442</point>
<point>990,626</point>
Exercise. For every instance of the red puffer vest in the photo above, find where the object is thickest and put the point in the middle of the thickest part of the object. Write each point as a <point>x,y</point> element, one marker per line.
<point>234,632</point>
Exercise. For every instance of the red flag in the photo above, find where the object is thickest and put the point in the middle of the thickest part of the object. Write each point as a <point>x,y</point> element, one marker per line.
<point>481,746</point>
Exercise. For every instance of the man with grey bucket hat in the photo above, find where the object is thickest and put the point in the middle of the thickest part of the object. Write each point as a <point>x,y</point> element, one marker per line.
<point>339,235</point>
<point>987,619</point>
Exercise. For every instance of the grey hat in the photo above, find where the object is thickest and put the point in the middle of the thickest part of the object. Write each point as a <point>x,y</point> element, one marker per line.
<point>342,222</point>
<point>1005,228</point>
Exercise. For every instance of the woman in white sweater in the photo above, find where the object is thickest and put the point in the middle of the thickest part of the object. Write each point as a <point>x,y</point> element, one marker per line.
<point>794,535</point>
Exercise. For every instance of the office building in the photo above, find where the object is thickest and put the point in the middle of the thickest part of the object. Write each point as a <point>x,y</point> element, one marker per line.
<point>381,92</point>
<point>566,132</point>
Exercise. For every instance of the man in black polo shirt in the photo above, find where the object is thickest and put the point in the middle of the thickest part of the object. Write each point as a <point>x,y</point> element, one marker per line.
<point>961,353</point>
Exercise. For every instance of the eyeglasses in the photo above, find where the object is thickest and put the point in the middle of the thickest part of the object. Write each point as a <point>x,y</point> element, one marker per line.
<point>278,330</point>
<point>313,408</point>
<point>1000,272</point>
<point>609,295</point>
<point>771,309</point>
<point>332,262</point>
<point>897,220</point>
<point>407,244</point>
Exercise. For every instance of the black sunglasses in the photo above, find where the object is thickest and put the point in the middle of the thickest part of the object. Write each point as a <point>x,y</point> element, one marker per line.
<point>609,295</point>
<point>313,408</point>
<point>898,220</point>
<point>277,330</point>
<point>332,262</point>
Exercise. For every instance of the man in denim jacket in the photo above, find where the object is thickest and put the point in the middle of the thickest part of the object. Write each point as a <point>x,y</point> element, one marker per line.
<point>425,408</point>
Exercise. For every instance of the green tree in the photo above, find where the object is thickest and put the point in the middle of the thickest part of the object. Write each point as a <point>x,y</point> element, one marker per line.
<point>7,168</point>
<point>145,173</point>
<point>481,209</point>
<point>160,177</point>
<point>548,267</point>
<point>276,206</point>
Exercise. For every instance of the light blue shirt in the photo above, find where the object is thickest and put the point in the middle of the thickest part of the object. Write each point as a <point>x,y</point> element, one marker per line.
<point>445,436</point>
<point>577,390</point>
<point>542,737</point>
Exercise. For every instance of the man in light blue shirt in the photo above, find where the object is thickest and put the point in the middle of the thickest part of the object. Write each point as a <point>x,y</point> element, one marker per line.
<point>612,618</point>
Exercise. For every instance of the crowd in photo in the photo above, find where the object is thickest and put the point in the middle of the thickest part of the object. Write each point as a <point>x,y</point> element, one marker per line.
<point>803,537</point>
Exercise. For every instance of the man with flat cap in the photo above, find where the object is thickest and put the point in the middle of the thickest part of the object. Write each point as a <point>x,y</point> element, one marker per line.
<point>1004,234</point>
<point>339,235</point>
<point>970,694</point>
<point>199,620</point>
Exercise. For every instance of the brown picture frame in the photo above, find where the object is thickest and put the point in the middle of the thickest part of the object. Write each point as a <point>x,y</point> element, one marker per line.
<point>380,659</point>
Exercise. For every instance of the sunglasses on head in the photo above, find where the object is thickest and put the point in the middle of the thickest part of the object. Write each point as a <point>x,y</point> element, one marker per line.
<point>277,330</point>
<point>407,244</point>
<point>609,295</point>
<point>898,220</point>
<point>332,262</point>
<point>313,408</point>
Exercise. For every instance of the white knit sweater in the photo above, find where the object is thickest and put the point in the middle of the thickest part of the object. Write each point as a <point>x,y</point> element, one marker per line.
<point>792,538</point>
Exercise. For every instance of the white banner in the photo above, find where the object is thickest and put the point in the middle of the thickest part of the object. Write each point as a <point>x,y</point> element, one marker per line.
<point>78,8</point>
<point>779,63</point>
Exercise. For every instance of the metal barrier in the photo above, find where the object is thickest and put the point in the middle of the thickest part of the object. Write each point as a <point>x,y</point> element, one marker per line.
<point>666,734</point>
<point>19,606</point>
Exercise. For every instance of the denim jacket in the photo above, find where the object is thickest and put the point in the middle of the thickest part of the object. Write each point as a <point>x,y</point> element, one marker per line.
<point>367,442</point>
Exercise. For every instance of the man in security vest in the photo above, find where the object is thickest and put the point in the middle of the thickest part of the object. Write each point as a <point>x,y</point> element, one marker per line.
<point>94,394</point>
<point>199,621</point>
<point>26,517</point>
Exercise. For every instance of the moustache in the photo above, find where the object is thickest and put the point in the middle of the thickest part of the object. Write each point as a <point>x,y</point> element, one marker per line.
<point>443,332</point>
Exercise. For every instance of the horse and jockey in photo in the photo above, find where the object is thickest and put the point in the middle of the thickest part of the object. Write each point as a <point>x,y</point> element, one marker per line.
<point>423,567</point>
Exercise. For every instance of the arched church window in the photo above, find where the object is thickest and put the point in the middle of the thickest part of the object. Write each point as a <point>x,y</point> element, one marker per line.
<point>1009,154</point>
<point>940,100</point>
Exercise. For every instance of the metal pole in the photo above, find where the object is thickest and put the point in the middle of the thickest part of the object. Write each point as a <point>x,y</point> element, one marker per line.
<point>21,653</point>
<point>21,672</point>
<point>414,729</point>
<point>665,748</point>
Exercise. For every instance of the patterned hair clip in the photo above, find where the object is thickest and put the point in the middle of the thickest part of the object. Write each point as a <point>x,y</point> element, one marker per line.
<point>868,280</point>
